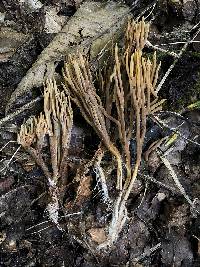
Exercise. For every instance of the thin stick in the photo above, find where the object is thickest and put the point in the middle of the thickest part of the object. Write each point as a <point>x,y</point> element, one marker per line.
<point>13,115</point>
<point>11,141</point>
<point>175,61</point>
<point>171,53</point>
<point>176,180</point>
<point>10,160</point>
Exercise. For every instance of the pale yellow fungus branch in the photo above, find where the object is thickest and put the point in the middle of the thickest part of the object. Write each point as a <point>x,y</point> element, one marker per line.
<point>143,100</point>
<point>136,35</point>
<point>129,99</point>
<point>55,125</point>
<point>79,82</point>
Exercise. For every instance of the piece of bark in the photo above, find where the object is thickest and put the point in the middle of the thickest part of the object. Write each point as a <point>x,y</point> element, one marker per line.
<point>92,21</point>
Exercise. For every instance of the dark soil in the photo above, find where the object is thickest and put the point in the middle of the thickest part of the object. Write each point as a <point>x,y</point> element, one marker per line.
<point>163,228</point>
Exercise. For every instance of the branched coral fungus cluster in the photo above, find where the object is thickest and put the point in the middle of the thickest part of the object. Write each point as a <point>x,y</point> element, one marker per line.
<point>55,124</point>
<point>116,108</point>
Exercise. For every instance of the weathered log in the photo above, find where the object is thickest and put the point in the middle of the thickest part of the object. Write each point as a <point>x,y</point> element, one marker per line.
<point>92,26</point>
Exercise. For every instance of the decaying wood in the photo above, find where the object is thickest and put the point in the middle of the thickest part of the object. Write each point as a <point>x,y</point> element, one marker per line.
<point>92,21</point>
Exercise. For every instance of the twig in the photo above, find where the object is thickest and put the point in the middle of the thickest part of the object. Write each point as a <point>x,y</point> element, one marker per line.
<point>10,160</point>
<point>173,54</point>
<point>175,131</point>
<point>152,179</point>
<point>147,253</point>
<point>11,141</point>
<point>176,180</point>
<point>152,5</point>
<point>175,61</point>
<point>175,43</point>
<point>143,197</point>
<point>13,115</point>
<point>47,221</point>
<point>39,197</point>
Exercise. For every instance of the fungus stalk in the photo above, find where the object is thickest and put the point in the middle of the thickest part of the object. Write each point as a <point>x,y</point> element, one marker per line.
<point>53,126</point>
<point>129,97</point>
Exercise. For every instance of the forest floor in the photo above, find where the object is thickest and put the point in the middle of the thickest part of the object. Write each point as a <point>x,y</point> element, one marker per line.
<point>163,208</point>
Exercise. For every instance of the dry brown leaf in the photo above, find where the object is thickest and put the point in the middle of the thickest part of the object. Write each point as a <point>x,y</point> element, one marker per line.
<point>83,194</point>
<point>84,188</point>
<point>98,235</point>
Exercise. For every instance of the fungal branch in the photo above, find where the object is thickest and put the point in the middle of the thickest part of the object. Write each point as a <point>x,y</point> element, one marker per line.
<point>135,36</point>
<point>79,82</point>
<point>130,98</point>
<point>118,114</point>
<point>142,75</point>
<point>54,127</point>
<point>59,119</point>
<point>143,101</point>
